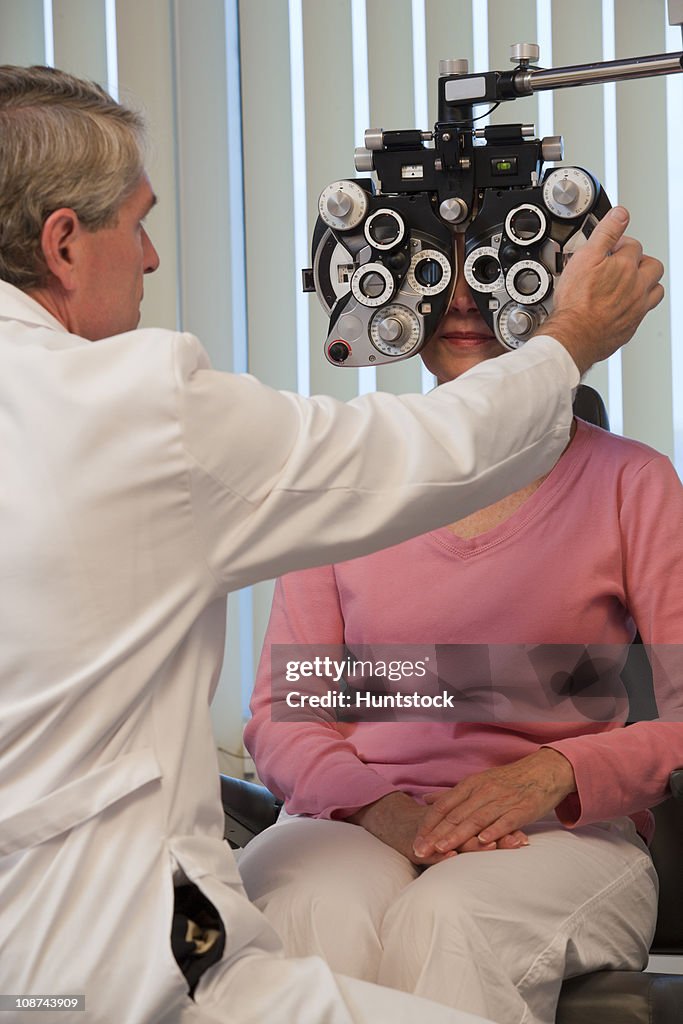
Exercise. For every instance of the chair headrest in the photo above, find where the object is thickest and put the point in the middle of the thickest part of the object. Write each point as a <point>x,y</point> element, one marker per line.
<point>589,406</point>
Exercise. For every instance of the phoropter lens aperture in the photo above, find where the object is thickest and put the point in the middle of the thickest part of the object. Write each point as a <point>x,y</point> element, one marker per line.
<point>372,285</point>
<point>527,282</point>
<point>384,229</point>
<point>486,269</point>
<point>526,224</point>
<point>428,272</point>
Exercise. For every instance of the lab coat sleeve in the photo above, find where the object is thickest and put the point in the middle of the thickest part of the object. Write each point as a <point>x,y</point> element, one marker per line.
<point>280,482</point>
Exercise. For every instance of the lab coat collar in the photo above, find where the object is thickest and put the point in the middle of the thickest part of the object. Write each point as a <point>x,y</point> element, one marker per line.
<point>17,305</point>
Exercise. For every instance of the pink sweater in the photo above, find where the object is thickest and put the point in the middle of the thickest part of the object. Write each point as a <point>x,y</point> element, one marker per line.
<point>594,553</point>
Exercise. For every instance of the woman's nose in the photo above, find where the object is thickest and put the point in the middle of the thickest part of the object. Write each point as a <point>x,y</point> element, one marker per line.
<point>462,299</point>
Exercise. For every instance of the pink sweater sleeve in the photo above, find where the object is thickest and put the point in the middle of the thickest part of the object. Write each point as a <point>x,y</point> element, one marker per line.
<point>310,764</point>
<point>623,771</point>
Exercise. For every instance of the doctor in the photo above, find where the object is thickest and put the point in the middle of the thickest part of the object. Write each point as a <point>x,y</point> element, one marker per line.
<point>138,488</point>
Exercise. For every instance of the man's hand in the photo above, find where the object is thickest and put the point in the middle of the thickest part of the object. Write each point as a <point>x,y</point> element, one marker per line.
<point>395,820</point>
<point>491,804</point>
<point>604,292</point>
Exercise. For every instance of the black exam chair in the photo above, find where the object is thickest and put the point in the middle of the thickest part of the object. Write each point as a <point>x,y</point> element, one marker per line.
<point>604,997</point>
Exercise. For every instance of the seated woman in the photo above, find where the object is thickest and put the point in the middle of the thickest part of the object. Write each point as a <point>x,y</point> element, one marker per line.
<point>480,863</point>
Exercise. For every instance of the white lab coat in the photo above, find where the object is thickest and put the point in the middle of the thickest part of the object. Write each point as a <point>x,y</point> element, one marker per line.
<point>138,487</point>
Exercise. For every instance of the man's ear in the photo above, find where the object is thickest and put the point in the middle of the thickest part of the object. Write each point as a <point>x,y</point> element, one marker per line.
<point>60,237</point>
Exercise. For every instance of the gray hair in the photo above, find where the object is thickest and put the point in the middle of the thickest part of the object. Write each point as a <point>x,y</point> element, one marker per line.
<point>64,142</point>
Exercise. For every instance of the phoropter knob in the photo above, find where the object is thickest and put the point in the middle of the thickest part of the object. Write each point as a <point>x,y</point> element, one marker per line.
<point>390,329</point>
<point>569,192</point>
<point>552,148</point>
<point>363,160</point>
<point>515,324</point>
<point>454,210</point>
<point>565,192</point>
<point>525,53</point>
<point>395,330</point>
<point>453,66</point>
<point>339,351</point>
<point>343,205</point>
<point>521,323</point>
<point>338,203</point>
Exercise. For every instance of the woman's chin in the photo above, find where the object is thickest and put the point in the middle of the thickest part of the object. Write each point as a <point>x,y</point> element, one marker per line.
<point>448,356</point>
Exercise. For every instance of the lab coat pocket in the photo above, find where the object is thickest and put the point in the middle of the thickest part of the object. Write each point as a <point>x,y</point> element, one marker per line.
<point>77,801</point>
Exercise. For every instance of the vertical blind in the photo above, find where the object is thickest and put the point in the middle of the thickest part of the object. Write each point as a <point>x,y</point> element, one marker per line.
<point>255,105</point>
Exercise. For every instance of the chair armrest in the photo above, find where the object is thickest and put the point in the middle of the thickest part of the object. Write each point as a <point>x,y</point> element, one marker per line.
<point>667,853</point>
<point>248,809</point>
<point>676,783</point>
<point>621,997</point>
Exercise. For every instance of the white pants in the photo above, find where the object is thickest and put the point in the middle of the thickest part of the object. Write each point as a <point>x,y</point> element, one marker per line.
<point>263,989</point>
<point>492,933</point>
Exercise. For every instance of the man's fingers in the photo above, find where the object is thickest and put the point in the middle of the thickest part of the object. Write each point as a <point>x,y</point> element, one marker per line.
<point>607,288</point>
<point>628,246</point>
<point>651,270</point>
<point>608,231</point>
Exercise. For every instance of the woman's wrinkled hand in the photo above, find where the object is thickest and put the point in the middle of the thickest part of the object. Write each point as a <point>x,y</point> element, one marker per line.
<point>487,806</point>
<point>396,818</point>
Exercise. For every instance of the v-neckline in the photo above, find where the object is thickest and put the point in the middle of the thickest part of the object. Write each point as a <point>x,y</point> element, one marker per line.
<point>559,477</point>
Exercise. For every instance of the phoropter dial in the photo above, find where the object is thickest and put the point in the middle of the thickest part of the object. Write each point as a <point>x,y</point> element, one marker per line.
<point>343,205</point>
<point>395,330</point>
<point>528,282</point>
<point>526,224</point>
<point>569,192</point>
<point>516,323</point>
<point>482,269</point>
<point>372,284</point>
<point>429,272</point>
<point>384,229</point>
